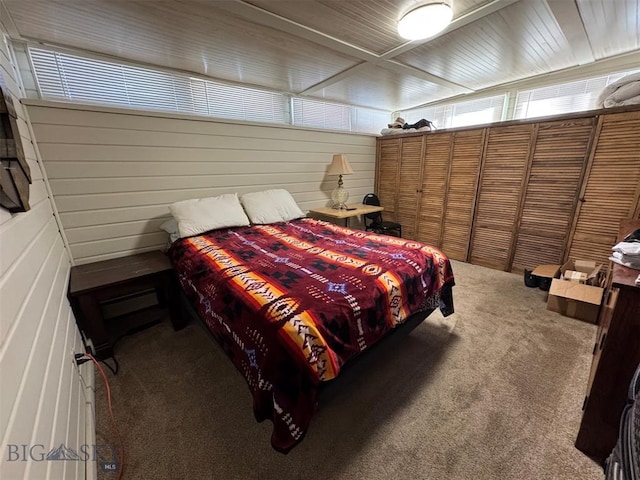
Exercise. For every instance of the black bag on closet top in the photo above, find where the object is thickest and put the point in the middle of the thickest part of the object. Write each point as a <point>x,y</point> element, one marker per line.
<point>423,122</point>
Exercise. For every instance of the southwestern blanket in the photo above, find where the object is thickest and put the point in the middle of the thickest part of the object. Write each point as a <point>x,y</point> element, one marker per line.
<point>291,303</point>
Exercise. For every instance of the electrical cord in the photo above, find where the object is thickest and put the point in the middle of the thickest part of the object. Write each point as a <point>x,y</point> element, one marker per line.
<point>135,330</point>
<point>88,356</point>
<point>115,369</point>
<point>82,358</point>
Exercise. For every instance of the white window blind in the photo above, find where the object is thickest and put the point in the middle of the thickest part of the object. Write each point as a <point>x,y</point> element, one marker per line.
<point>460,114</point>
<point>320,114</point>
<point>475,112</point>
<point>567,97</point>
<point>235,102</point>
<point>64,76</point>
<point>367,120</point>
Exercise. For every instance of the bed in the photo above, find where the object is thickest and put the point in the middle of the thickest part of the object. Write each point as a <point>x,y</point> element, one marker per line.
<point>293,300</point>
<point>291,303</point>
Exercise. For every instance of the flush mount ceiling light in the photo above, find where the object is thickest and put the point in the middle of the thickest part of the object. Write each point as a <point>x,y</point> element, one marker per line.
<point>426,20</point>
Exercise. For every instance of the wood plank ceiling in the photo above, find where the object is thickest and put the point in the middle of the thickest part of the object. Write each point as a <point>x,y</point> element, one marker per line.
<point>345,51</point>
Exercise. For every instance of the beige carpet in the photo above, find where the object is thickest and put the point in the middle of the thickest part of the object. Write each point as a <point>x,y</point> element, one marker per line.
<point>491,392</point>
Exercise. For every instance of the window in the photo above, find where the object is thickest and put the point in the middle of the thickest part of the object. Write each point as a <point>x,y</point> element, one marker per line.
<point>460,114</point>
<point>320,114</point>
<point>240,103</point>
<point>62,76</point>
<point>369,120</point>
<point>563,98</point>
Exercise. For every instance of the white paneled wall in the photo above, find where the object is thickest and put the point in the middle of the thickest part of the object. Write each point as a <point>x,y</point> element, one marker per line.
<point>43,399</point>
<point>113,172</point>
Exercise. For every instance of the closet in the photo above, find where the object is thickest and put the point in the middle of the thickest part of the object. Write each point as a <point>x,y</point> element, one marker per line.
<point>611,188</point>
<point>458,205</point>
<point>556,170</point>
<point>502,181</point>
<point>513,195</point>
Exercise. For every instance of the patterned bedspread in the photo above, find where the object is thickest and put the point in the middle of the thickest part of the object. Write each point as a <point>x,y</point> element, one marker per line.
<point>290,303</point>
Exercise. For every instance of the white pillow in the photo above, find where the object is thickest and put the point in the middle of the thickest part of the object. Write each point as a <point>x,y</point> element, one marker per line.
<point>203,214</point>
<point>171,227</point>
<point>271,206</point>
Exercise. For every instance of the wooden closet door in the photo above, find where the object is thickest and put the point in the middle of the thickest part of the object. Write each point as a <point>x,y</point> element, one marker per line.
<point>462,185</point>
<point>502,181</point>
<point>557,167</point>
<point>611,189</point>
<point>435,170</point>
<point>387,175</point>
<point>411,154</point>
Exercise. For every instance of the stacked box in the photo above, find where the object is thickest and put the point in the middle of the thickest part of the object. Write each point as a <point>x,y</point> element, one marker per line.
<point>577,292</point>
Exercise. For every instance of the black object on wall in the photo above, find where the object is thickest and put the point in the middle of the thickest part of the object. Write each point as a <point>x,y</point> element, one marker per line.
<point>15,175</point>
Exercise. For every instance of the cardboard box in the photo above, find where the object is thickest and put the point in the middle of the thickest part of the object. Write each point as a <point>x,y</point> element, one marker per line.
<point>575,300</point>
<point>582,271</point>
<point>544,274</point>
<point>573,276</point>
<point>547,271</point>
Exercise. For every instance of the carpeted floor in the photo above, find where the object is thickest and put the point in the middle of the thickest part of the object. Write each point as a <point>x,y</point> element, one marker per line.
<point>491,392</point>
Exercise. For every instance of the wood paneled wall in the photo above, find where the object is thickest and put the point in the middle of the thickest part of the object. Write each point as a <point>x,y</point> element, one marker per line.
<point>43,399</point>
<point>113,172</point>
<point>514,195</point>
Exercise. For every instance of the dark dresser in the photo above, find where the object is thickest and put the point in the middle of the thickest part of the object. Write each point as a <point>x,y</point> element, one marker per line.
<point>616,355</point>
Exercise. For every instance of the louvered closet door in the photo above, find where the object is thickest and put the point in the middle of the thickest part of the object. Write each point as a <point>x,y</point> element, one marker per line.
<point>503,173</point>
<point>387,175</point>
<point>435,171</point>
<point>461,192</point>
<point>554,181</point>
<point>409,184</point>
<point>612,187</point>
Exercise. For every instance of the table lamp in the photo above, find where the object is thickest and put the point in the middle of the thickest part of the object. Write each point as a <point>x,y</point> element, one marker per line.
<point>340,166</point>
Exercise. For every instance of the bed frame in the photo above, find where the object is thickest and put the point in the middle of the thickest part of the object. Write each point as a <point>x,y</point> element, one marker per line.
<point>354,368</point>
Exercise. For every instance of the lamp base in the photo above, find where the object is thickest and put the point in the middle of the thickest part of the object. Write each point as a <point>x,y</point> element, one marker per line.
<point>339,196</point>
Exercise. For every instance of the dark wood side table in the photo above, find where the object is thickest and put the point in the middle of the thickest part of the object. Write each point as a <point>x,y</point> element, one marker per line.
<point>93,283</point>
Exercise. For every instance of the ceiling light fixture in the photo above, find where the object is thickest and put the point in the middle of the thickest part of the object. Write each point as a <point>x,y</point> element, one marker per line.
<point>426,20</point>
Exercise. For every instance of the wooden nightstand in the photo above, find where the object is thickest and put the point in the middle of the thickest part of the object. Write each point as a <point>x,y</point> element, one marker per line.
<point>92,284</point>
<point>354,210</point>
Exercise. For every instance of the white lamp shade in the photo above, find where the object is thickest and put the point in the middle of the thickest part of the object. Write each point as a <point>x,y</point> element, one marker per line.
<point>340,165</point>
<point>426,20</point>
